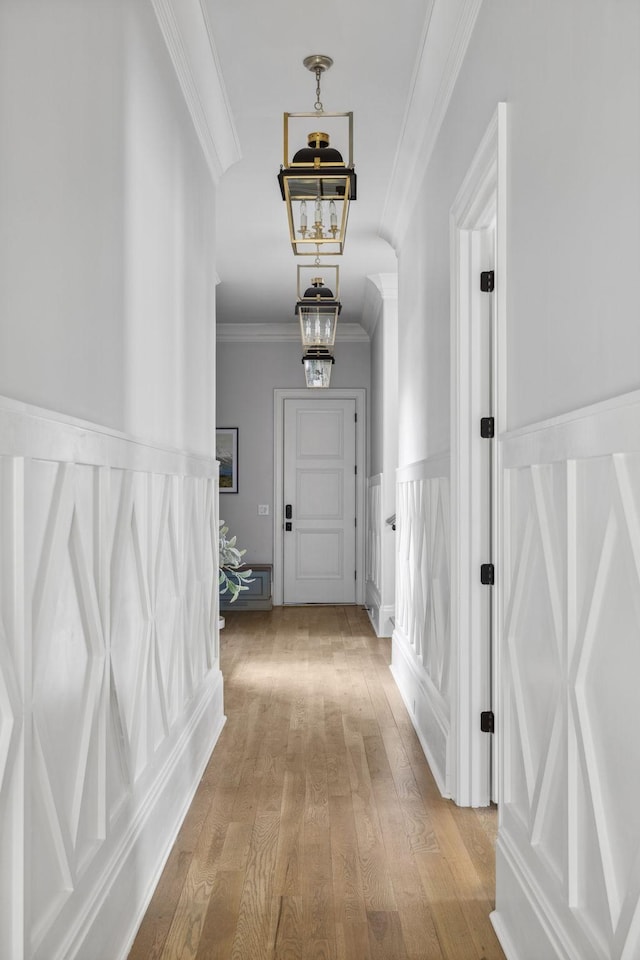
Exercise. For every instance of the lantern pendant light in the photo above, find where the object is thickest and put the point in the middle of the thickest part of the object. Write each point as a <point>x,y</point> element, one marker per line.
<point>317,367</point>
<point>317,307</point>
<point>316,183</point>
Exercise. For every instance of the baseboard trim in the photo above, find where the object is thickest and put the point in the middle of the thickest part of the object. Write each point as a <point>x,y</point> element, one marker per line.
<point>526,915</point>
<point>387,620</point>
<point>508,947</point>
<point>428,724</point>
<point>121,894</point>
<point>382,618</point>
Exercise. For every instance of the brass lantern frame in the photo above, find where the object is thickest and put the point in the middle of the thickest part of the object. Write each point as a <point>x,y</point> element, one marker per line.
<point>325,182</point>
<point>318,312</point>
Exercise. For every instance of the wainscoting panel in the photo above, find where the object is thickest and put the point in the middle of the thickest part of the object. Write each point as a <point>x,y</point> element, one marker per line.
<point>568,857</point>
<point>421,640</point>
<point>110,689</point>
<point>375,521</point>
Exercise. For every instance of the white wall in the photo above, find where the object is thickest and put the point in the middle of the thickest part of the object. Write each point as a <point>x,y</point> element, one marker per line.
<point>569,75</point>
<point>110,687</point>
<point>381,317</point>
<point>106,224</point>
<point>376,421</point>
<point>247,374</point>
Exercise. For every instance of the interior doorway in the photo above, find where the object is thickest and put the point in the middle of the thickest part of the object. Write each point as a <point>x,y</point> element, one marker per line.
<point>319,496</point>
<point>319,488</point>
<point>477,405</point>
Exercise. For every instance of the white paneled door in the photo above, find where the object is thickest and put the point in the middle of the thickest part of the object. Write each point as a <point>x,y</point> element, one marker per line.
<point>319,500</point>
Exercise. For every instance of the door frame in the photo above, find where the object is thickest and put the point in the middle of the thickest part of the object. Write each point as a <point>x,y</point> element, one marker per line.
<point>480,203</point>
<point>358,394</point>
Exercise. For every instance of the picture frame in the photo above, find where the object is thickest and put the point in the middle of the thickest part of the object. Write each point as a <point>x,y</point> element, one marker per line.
<point>227,455</point>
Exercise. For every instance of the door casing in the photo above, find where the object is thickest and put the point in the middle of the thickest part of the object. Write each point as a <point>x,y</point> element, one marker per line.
<point>479,206</point>
<point>280,395</point>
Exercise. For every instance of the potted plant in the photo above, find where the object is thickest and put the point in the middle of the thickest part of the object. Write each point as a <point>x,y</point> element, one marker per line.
<point>233,577</point>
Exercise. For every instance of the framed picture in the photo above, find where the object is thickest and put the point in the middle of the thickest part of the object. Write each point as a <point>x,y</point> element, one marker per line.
<point>227,454</point>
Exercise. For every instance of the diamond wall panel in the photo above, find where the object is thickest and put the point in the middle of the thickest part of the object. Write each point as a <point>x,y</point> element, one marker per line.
<point>570,664</point>
<point>108,593</point>
<point>423,584</point>
<point>374,534</point>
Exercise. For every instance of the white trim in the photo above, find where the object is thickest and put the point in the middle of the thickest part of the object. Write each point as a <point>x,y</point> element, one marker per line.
<point>546,929</point>
<point>282,332</point>
<point>479,206</point>
<point>30,431</point>
<point>434,467</point>
<point>448,28</point>
<point>189,39</point>
<point>279,396</point>
<point>160,816</point>
<point>592,431</point>
<point>380,288</point>
<point>425,705</point>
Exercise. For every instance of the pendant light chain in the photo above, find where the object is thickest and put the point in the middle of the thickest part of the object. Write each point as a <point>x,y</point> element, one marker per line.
<point>318,104</point>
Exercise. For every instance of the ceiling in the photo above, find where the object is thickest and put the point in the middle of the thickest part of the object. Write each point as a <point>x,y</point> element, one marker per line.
<point>260,46</point>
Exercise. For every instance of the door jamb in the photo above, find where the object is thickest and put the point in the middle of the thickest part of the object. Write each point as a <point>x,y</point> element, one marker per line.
<point>481,201</point>
<point>279,396</point>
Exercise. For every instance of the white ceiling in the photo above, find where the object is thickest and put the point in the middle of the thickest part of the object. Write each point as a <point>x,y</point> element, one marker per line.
<point>260,46</point>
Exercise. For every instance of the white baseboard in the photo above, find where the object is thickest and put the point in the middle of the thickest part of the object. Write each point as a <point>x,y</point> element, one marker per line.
<point>382,620</point>
<point>508,947</point>
<point>374,616</point>
<point>431,728</point>
<point>527,916</point>
<point>387,620</point>
<point>108,926</point>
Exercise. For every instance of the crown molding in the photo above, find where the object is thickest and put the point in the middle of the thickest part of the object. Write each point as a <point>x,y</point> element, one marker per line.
<point>281,332</point>
<point>445,39</point>
<point>189,39</point>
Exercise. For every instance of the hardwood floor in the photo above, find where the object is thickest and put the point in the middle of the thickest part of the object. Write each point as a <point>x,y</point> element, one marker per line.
<point>317,832</point>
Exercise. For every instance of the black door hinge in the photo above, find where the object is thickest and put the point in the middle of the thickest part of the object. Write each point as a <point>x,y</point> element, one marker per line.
<point>487,574</point>
<point>487,281</point>
<point>487,721</point>
<point>487,428</point>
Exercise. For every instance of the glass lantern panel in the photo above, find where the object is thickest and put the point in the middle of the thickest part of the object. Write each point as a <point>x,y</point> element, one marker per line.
<point>317,372</point>
<point>318,187</point>
<point>317,222</point>
<point>317,326</point>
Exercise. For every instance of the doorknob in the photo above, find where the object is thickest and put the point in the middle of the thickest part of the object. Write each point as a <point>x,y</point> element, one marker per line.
<point>288,512</point>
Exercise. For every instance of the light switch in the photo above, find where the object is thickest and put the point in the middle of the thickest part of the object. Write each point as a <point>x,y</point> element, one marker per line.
<point>263,509</point>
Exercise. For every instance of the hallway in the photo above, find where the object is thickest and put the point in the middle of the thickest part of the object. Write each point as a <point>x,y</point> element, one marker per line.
<point>317,830</point>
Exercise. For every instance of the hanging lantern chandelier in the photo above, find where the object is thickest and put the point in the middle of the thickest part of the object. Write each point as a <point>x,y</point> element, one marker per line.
<point>317,306</point>
<point>317,366</point>
<point>316,183</point>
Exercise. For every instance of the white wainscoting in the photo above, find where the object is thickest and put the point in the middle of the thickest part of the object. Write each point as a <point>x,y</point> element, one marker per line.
<point>568,853</point>
<point>373,586</point>
<point>421,649</point>
<point>110,688</point>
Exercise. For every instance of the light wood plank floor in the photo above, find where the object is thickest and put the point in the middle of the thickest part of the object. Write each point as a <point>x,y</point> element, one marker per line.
<point>317,832</point>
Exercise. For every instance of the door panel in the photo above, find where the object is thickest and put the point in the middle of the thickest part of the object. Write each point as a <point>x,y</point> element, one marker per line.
<point>319,484</point>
